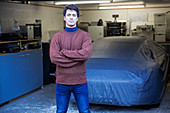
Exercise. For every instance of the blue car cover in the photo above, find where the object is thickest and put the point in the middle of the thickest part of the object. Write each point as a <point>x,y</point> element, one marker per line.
<point>127,71</point>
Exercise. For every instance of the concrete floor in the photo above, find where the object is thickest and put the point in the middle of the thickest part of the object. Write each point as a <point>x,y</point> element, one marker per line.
<point>43,101</point>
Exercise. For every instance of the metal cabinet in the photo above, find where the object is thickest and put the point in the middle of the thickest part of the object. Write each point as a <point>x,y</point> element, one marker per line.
<point>160,27</point>
<point>160,37</point>
<point>159,18</point>
<point>20,73</point>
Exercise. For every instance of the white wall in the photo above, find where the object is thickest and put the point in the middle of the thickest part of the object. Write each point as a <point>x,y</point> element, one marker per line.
<point>124,14</point>
<point>51,18</point>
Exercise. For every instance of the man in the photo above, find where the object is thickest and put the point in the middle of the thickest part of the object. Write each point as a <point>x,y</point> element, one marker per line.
<point>69,50</point>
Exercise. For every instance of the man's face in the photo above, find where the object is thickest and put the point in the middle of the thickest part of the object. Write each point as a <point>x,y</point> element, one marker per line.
<point>71,18</point>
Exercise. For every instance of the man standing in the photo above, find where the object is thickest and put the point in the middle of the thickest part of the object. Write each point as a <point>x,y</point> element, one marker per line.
<point>69,50</point>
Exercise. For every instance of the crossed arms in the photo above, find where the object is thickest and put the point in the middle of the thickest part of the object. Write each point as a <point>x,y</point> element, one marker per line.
<point>69,58</point>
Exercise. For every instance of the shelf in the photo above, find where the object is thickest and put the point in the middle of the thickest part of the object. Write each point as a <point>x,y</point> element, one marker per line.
<point>29,50</point>
<point>31,39</point>
<point>18,51</point>
<point>4,42</point>
<point>9,47</point>
<point>116,29</point>
<point>7,53</point>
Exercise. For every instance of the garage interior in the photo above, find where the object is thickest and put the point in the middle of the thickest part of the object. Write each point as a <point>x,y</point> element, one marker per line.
<point>107,18</point>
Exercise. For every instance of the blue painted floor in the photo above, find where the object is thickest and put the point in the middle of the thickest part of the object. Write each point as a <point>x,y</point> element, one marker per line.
<point>43,101</point>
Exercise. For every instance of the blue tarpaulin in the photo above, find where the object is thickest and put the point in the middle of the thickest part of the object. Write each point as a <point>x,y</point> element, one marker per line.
<point>126,72</point>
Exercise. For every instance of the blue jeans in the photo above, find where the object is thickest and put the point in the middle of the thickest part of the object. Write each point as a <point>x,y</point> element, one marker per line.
<point>80,92</point>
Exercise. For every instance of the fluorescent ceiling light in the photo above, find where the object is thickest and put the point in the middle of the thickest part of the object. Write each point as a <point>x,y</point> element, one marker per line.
<point>122,3</point>
<point>81,2</point>
<point>119,7</point>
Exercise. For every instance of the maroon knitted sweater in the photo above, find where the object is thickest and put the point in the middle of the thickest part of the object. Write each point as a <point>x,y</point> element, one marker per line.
<point>69,51</point>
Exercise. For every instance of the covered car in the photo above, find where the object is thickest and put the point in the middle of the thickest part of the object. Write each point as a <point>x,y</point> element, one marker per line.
<point>127,71</point>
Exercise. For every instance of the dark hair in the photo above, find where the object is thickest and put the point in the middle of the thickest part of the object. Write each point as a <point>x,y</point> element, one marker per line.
<point>71,7</point>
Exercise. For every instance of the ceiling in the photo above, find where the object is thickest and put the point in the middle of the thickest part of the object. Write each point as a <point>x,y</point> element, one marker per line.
<point>85,6</point>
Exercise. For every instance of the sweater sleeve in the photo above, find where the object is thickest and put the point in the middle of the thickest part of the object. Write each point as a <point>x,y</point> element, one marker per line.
<point>82,54</point>
<point>57,57</point>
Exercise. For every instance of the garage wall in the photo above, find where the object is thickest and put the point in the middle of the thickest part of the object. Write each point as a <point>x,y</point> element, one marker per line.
<point>51,18</point>
<point>124,14</point>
